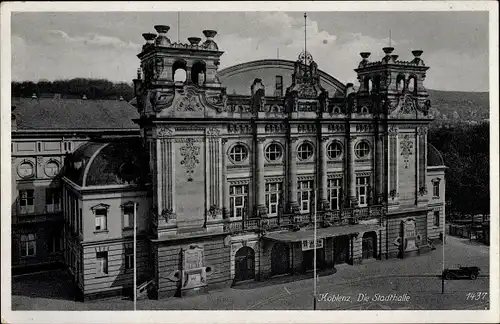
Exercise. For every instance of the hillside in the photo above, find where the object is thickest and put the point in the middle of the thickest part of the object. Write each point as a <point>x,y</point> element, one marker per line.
<point>453,106</point>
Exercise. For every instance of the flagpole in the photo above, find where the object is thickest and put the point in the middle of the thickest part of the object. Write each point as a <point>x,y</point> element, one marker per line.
<point>135,256</point>
<point>442,273</point>
<point>315,246</point>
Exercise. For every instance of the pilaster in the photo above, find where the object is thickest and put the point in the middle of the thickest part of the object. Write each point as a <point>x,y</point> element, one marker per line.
<point>352,172</point>
<point>393,181</point>
<point>292,175</point>
<point>260,181</point>
<point>323,173</point>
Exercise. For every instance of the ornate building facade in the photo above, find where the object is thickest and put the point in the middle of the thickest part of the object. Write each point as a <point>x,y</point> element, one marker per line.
<point>229,175</point>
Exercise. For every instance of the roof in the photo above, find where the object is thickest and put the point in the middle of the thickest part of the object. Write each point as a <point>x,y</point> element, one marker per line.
<point>239,78</point>
<point>102,163</point>
<point>74,114</point>
<point>434,157</point>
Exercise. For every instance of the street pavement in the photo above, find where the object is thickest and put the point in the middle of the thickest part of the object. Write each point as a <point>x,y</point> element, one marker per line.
<point>415,281</point>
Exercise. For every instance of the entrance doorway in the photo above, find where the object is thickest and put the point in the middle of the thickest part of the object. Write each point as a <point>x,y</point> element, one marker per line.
<point>308,259</point>
<point>280,259</point>
<point>341,249</point>
<point>369,245</point>
<point>244,264</point>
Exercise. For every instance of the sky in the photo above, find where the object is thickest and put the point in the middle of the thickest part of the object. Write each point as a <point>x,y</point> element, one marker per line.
<point>63,45</point>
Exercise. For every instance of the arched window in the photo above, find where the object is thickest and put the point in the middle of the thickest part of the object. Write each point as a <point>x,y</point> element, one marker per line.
<point>412,84</point>
<point>376,84</point>
<point>198,73</point>
<point>400,83</point>
<point>179,71</point>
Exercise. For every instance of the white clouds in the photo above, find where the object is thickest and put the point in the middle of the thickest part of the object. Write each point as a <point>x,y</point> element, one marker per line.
<point>92,39</point>
<point>93,45</point>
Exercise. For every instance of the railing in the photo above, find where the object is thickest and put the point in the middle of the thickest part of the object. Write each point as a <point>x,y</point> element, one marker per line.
<point>343,217</point>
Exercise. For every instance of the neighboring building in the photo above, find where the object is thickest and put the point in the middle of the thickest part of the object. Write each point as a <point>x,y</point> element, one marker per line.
<point>44,132</point>
<point>231,166</point>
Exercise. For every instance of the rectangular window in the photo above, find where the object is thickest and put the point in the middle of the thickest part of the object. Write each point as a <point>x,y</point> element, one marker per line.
<point>100,219</point>
<point>304,195</point>
<point>436,218</point>
<point>279,86</point>
<point>81,221</point>
<point>129,258</point>
<point>273,193</point>
<point>28,245</point>
<point>435,189</point>
<point>26,201</point>
<point>362,184</point>
<point>334,193</point>
<point>102,263</point>
<point>52,200</point>
<point>128,216</point>
<point>238,201</point>
<point>54,243</point>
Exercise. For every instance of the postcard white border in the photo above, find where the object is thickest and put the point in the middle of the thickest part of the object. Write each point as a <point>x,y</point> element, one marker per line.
<point>9,316</point>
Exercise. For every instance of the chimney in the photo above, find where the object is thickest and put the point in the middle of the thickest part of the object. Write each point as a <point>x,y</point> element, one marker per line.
<point>33,96</point>
<point>84,97</point>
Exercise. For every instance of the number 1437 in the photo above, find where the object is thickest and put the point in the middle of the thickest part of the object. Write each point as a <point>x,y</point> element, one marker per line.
<point>477,296</point>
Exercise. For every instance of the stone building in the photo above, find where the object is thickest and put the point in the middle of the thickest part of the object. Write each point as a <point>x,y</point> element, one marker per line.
<point>231,167</point>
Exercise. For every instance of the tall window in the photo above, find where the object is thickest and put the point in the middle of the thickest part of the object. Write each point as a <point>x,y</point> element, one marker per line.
<point>435,189</point>
<point>304,195</point>
<point>238,200</point>
<point>334,193</point>
<point>362,184</point>
<point>436,218</point>
<point>129,258</point>
<point>128,215</point>
<point>28,245</point>
<point>54,243</point>
<point>101,216</point>
<point>273,192</point>
<point>279,86</point>
<point>102,263</point>
<point>26,201</point>
<point>52,200</point>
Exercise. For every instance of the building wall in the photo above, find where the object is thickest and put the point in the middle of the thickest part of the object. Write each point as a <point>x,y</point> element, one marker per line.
<point>436,203</point>
<point>217,256</point>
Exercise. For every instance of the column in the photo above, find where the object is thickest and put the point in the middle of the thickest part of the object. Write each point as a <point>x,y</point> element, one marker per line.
<point>225,184</point>
<point>379,156</point>
<point>260,184</point>
<point>292,175</point>
<point>352,173</point>
<point>323,170</point>
<point>393,164</point>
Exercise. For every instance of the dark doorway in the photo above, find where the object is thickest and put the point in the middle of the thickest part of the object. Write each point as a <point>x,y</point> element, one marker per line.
<point>341,249</point>
<point>369,245</point>
<point>280,259</point>
<point>244,264</point>
<point>308,259</point>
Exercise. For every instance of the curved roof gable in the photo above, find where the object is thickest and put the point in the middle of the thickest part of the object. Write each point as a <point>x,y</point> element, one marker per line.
<point>108,163</point>
<point>238,78</point>
<point>434,157</point>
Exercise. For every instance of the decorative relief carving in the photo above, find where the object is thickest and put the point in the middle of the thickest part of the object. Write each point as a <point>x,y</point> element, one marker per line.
<point>274,179</point>
<point>168,214</point>
<point>335,175</point>
<point>239,182</point>
<point>159,66</point>
<point>239,128</point>
<point>39,160</point>
<point>190,153</point>
<point>406,149</point>
<point>336,128</point>
<point>213,131</point>
<point>161,99</point>
<point>275,128</point>
<point>422,191</point>
<point>324,138</point>
<point>214,211</point>
<point>294,139</point>
<point>189,103</point>
<point>364,128</point>
<point>393,131</point>
<point>363,174</point>
<point>306,128</point>
<point>164,131</point>
<point>305,177</point>
<point>218,101</point>
<point>393,193</point>
<point>190,139</point>
<point>421,131</point>
<point>307,106</point>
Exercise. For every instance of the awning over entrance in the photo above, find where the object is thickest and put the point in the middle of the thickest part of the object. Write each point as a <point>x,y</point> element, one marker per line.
<point>302,235</point>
